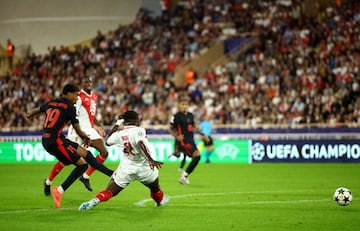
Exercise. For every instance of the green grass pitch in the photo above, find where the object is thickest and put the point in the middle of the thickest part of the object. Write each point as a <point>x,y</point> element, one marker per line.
<point>220,197</point>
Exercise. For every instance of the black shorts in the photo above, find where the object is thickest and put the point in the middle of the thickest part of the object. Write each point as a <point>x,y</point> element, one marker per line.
<point>187,147</point>
<point>210,143</point>
<point>63,149</point>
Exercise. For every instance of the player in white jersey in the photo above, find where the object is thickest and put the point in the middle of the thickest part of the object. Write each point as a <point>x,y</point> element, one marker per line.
<point>136,164</point>
<point>86,114</point>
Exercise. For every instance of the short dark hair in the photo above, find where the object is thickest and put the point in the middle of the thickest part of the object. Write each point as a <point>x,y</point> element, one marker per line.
<point>70,88</point>
<point>130,116</point>
<point>183,97</point>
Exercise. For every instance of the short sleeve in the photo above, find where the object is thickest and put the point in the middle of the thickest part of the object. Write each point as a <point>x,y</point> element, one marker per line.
<point>113,139</point>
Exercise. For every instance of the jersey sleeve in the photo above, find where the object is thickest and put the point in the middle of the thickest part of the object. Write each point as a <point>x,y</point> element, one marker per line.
<point>141,136</point>
<point>113,139</point>
<point>172,121</point>
<point>43,107</point>
<point>78,105</point>
<point>72,114</point>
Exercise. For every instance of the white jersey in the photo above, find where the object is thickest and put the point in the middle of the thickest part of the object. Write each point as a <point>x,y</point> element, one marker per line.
<point>133,165</point>
<point>128,138</point>
<point>86,111</point>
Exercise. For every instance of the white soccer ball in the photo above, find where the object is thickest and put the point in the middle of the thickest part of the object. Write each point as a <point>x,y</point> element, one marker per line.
<point>342,196</point>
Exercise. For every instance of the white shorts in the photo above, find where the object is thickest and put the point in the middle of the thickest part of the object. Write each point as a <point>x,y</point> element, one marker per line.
<point>124,175</point>
<point>91,132</point>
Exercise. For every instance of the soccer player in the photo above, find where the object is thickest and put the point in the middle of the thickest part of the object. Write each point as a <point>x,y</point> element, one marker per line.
<point>182,127</point>
<point>136,164</point>
<point>206,128</point>
<point>58,112</point>
<point>86,112</point>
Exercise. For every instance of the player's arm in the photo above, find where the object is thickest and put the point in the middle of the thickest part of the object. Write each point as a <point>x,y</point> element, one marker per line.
<point>175,134</point>
<point>99,128</point>
<point>33,113</point>
<point>82,134</point>
<point>173,131</point>
<point>110,139</point>
<point>203,136</point>
<point>145,152</point>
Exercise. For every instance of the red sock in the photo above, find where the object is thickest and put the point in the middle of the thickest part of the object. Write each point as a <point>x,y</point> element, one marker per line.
<point>99,158</point>
<point>104,195</point>
<point>158,196</point>
<point>56,169</point>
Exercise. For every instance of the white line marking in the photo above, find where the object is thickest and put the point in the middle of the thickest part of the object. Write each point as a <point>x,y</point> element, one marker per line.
<point>33,210</point>
<point>143,202</point>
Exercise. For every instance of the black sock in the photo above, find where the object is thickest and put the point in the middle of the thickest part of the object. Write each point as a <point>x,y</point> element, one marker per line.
<point>193,165</point>
<point>97,165</point>
<point>74,175</point>
<point>183,161</point>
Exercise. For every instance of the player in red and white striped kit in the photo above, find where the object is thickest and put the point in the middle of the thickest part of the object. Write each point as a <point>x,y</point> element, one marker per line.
<point>86,113</point>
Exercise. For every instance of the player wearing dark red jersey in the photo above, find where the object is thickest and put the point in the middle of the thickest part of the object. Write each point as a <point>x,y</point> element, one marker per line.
<point>58,112</point>
<point>182,127</point>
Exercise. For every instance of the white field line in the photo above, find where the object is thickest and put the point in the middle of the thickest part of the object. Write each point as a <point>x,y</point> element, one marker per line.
<point>143,202</point>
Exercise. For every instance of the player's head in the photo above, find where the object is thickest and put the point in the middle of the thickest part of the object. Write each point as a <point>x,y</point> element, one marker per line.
<point>87,83</point>
<point>183,103</point>
<point>131,118</point>
<point>70,92</point>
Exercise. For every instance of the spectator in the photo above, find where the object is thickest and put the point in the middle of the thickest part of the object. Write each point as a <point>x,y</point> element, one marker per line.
<point>10,52</point>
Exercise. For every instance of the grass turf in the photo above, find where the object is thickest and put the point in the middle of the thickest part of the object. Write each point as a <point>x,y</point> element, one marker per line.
<point>220,197</point>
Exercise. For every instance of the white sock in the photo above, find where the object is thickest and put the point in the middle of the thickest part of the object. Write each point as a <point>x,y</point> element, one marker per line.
<point>60,189</point>
<point>48,182</point>
<point>86,176</point>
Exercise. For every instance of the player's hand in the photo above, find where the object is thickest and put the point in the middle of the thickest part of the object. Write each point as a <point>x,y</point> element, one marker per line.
<point>27,116</point>
<point>87,141</point>
<point>206,139</point>
<point>155,164</point>
<point>180,138</point>
<point>101,131</point>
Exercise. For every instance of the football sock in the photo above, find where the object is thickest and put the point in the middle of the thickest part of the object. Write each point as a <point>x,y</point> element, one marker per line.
<point>207,156</point>
<point>97,165</point>
<point>60,189</point>
<point>48,182</point>
<point>56,169</point>
<point>90,170</point>
<point>86,176</point>
<point>183,161</point>
<point>104,195</point>
<point>194,162</point>
<point>157,196</point>
<point>74,175</point>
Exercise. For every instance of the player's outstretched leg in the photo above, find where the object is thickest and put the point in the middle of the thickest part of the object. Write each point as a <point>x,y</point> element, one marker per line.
<point>46,189</point>
<point>89,204</point>
<point>86,183</point>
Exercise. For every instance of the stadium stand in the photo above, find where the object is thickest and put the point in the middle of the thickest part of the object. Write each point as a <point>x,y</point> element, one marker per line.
<point>301,72</point>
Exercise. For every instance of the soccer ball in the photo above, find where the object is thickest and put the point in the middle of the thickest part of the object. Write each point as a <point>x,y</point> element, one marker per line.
<point>342,196</point>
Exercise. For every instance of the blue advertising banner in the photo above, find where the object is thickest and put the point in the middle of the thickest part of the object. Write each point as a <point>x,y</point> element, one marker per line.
<point>305,151</point>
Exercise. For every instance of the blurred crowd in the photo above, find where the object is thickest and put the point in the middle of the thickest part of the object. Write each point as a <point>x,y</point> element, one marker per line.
<point>305,70</point>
